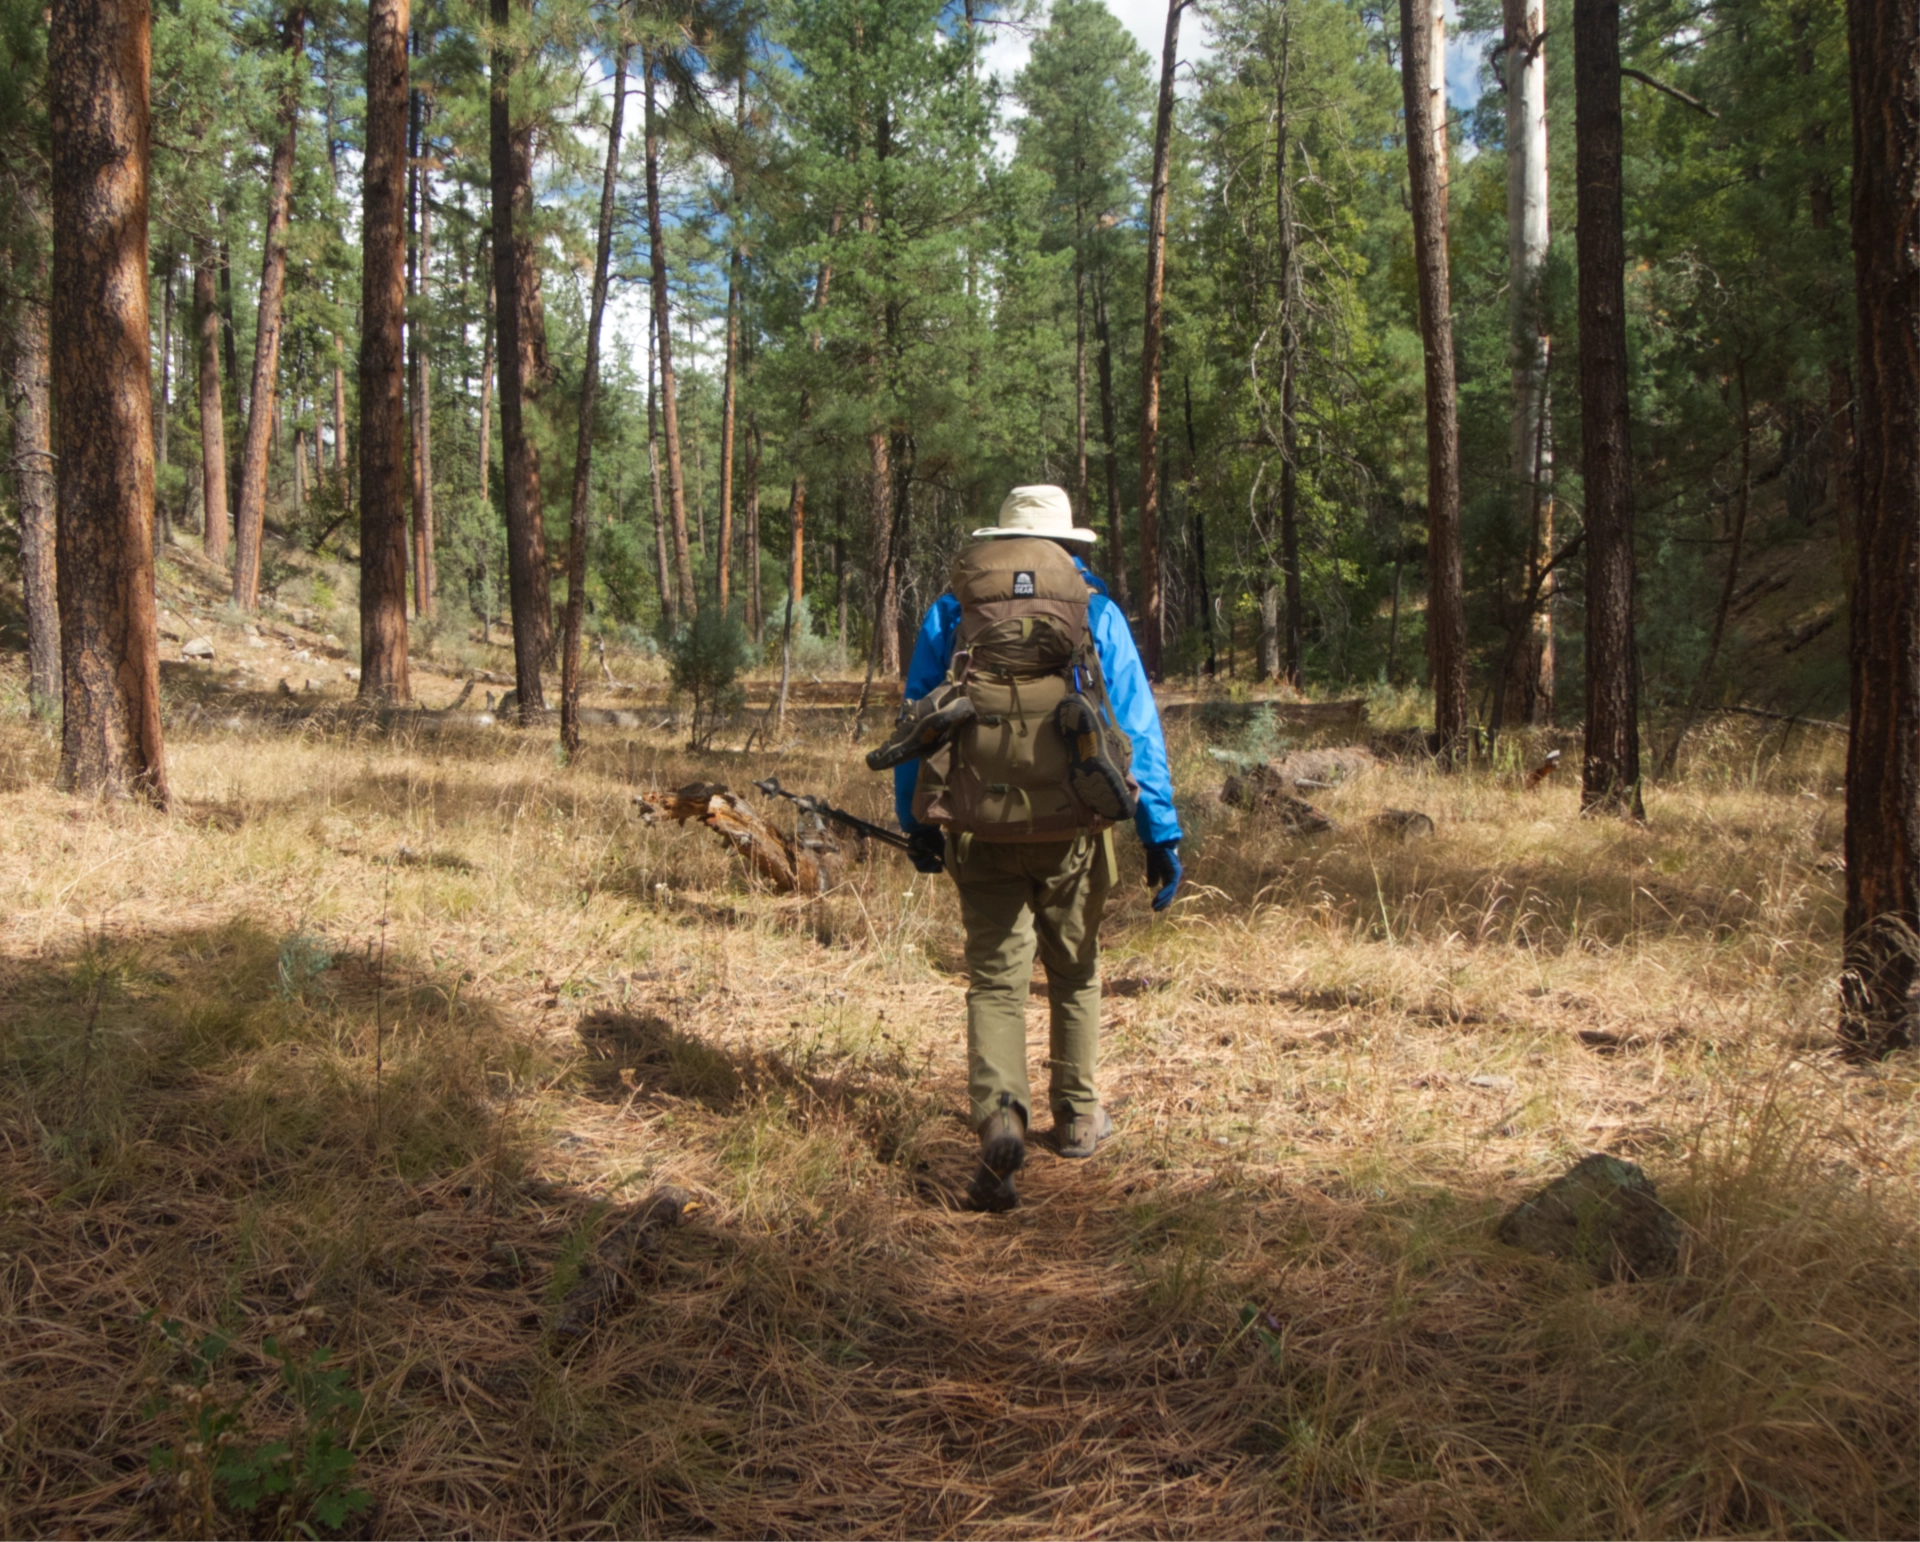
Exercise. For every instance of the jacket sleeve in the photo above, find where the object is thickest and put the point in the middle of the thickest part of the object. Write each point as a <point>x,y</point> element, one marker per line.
<point>1139,719</point>
<point>932,650</point>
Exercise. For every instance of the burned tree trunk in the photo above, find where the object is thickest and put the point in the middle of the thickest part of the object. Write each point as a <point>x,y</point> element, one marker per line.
<point>99,55</point>
<point>251,513</point>
<point>1878,1007</point>
<point>1610,779</point>
<point>383,410</point>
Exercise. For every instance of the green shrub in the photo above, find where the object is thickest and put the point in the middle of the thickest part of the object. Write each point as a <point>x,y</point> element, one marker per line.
<point>704,660</point>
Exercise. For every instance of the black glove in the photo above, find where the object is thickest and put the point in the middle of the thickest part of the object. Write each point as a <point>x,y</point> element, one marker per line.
<point>1164,873</point>
<point>927,849</point>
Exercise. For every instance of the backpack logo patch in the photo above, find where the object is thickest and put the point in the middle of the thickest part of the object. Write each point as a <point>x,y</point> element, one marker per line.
<point>1023,586</point>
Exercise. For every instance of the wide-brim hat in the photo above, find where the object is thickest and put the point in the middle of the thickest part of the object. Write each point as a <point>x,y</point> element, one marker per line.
<point>1046,512</point>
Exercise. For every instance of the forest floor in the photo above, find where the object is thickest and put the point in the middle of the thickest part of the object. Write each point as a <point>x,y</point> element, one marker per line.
<point>378,1043</point>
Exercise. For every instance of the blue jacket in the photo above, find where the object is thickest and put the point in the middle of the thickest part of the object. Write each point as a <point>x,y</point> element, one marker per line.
<point>1127,690</point>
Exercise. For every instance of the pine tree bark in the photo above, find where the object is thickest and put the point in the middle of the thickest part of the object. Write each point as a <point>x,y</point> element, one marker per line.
<point>1426,177</point>
<point>663,335</point>
<point>251,500</point>
<point>425,581</point>
<point>1152,602</point>
<point>383,410</point>
<point>1879,1004</point>
<point>583,453</point>
<point>1610,778</point>
<point>29,399</point>
<point>514,359</point>
<point>732,385</point>
<point>99,59</point>
<point>1529,688</point>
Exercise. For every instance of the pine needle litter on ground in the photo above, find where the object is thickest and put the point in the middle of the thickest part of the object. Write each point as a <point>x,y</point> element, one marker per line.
<point>402,1139</point>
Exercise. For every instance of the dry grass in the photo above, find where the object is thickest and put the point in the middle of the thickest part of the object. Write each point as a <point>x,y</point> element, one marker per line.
<point>1274,1306</point>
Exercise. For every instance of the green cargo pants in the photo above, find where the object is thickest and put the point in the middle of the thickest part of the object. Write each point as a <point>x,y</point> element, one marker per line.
<point>1012,895</point>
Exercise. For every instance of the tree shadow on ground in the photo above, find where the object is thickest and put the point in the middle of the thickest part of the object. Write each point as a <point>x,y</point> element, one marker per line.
<point>239,1126</point>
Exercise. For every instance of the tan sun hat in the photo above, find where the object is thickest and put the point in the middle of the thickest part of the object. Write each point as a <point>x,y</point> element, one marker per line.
<point>1042,511</point>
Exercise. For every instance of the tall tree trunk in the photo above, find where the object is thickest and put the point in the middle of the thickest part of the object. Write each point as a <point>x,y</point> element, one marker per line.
<point>730,392</point>
<point>425,585</point>
<point>663,333</point>
<point>1426,176</point>
<point>1881,970</point>
<point>1116,565</point>
<point>662,564</point>
<point>1529,688</point>
<point>583,451</point>
<point>252,492</point>
<point>99,56</point>
<point>1152,602</point>
<point>526,527</point>
<point>416,557</point>
<point>1610,778</point>
<point>213,428</point>
<point>29,401</point>
<point>383,408</point>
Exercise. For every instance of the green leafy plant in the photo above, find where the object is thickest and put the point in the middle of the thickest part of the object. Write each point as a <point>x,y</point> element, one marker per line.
<point>219,1465</point>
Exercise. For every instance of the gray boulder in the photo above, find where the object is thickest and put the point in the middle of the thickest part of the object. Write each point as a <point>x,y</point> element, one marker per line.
<point>1603,1214</point>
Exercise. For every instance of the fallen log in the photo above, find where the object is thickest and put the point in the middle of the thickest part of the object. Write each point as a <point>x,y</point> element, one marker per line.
<point>806,864</point>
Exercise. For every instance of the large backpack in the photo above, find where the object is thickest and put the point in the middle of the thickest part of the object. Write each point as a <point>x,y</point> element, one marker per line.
<point>1024,656</point>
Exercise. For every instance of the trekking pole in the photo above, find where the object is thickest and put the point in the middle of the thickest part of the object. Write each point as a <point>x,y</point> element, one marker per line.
<point>808,804</point>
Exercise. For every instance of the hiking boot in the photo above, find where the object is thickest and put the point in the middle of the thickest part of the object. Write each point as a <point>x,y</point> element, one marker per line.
<point>924,726</point>
<point>1095,779</point>
<point>1003,1151</point>
<point>1077,1135</point>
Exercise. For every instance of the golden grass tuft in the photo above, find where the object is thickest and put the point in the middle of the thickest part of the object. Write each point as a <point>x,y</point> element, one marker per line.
<point>400,1024</point>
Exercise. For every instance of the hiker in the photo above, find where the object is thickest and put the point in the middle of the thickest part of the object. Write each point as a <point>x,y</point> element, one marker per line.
<point>1029,731</point>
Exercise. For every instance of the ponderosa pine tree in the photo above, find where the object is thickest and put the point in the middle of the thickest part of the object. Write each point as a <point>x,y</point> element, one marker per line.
<point>1086,90</point>
<point>1420,67</point>
<point>250,503</point>
<point>1528,689</point>
<point>1878,1002</point>
<point>1152,601</point>
<point>516,359</point>
<point>1610,778</point>
<point>217,517</point>
<point>99,56</point>
<point>383,414</point>
<point>583,450</point>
